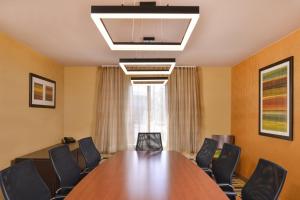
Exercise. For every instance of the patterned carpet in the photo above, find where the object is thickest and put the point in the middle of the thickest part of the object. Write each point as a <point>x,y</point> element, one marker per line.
<point>238,184</point>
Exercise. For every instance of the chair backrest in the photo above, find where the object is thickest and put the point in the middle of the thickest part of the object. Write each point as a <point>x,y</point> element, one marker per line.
<point>65,166</point>
<point>206,153</point>
<point>90,153</point>
<point>22,181</point>
<point>149,142</point>
<point>224,167</point>
<point>265,183</point>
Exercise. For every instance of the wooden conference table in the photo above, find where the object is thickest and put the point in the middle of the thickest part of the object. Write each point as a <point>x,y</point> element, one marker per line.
<point>132,175</point>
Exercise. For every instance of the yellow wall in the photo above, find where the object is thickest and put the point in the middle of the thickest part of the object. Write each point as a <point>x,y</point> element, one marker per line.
<point>79,106</point>
<point>24,129</point>
<point>216,100</point>
<point>244,121</point>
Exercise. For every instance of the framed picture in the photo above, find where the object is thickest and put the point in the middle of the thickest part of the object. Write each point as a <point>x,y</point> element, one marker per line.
<point>42,92</point>
<point>276,99</point>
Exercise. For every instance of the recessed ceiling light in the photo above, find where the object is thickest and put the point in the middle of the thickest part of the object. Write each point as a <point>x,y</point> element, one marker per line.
<point>165,66</point>
<point>149,80</point>
<point>191,13</point>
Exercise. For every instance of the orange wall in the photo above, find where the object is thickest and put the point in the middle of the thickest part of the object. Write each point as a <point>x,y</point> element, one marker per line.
<point>244,116</point>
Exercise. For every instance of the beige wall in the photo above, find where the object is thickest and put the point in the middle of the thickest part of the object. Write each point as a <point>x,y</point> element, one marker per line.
<point>216,100</point>
<point>245,115</point>
<point>24,129</point>
<point>79,101</point>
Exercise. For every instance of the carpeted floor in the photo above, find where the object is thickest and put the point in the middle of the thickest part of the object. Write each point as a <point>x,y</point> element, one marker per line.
<point>238,184</point>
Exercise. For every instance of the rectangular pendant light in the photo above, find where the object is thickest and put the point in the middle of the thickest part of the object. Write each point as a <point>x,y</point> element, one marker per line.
<point>149,80</point>
<point>99,13</point>
<point>146,62</point>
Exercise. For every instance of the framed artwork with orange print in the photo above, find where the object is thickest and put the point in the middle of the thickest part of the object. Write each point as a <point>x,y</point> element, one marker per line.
<point>42,92</point>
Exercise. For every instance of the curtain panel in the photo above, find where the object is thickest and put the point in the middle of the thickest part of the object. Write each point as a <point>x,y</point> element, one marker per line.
<point>120,114</point>
<point>184,109</point>
<point>110,135</point>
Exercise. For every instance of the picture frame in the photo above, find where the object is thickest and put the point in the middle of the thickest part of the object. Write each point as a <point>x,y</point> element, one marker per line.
<point>276,99</point>
<point>42,92</point>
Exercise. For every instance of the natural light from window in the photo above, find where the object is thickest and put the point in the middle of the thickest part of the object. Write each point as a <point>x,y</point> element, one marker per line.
<point>148,112</point>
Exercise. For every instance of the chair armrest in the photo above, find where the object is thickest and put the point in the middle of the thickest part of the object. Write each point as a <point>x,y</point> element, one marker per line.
<point>66,189</point>
<point>85,171</point>
<point>225,185</point>
<point>83,174</point>
<point>208,172</point>
<point>231,195</point>
<point>58,197</point>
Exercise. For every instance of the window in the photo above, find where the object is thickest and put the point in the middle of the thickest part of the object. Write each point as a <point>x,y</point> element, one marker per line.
<point>148,112</point>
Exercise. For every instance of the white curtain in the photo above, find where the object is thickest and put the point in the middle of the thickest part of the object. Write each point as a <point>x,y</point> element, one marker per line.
<point>147,112</point>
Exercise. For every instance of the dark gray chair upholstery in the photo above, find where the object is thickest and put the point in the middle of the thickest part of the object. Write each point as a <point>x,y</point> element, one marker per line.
<point>90,153</point>
<point>265,183</point>
<point>22,181</point>
<point>65,167</point>
<point>224,167</point>
<point>149,142</point>
<point>206,153</point>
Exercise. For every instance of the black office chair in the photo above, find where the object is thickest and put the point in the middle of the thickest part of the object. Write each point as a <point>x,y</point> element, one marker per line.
<point>22,181</point>
<point>90,153</point>
<point>66,168</point>
<point>265,183</point>
<point>149,142</point>
<point>224,167</point>
<point>206,153</point>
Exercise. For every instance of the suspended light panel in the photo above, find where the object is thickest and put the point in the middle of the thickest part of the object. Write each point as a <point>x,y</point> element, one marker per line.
<point>100,13</point>
<point>149,80</point>
<point>141,65</point>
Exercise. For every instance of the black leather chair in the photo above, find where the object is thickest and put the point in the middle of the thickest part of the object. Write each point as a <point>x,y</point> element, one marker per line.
<point>149,142</point>
<point>90,153</point>
<point>206,153</point>
<point>66,168</point>
<point>265,183</point>
<point>22,181</point>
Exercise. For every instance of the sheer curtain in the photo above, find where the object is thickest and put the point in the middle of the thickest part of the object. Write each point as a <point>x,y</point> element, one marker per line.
<point>184,109</point>
<point>123,110</point>
<point>110,135</point>
<point>147,112</point>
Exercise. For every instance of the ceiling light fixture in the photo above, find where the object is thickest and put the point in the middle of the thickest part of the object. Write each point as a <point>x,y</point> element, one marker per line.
<point>149,80</point>
<point>125,63</point>
<point>147,11</point>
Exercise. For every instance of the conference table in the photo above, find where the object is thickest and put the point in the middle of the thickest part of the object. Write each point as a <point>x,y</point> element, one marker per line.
<point>133,175</point>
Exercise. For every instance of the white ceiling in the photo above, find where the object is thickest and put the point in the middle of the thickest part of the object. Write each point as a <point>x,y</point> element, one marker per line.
<point>228,30</point>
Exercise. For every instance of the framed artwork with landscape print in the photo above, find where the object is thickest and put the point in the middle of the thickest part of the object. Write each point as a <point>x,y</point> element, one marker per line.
<point>42,92</point>
<point>276,99</point>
